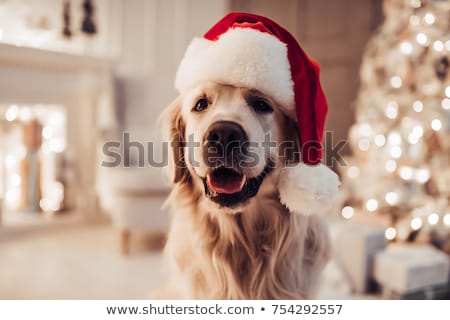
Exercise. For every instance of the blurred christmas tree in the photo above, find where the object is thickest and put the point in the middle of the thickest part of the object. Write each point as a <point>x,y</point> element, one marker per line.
<point>399,172</point>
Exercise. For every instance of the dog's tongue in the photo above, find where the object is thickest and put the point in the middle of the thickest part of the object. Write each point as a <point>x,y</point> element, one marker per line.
<point>225,181</point>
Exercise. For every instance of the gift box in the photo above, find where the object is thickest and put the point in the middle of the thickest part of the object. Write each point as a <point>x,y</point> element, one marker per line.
<point>355,246</point>
<point>404,269</point>
<point>441,292</point>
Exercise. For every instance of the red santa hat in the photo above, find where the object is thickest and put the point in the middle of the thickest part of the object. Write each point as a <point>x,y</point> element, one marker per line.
<point>252,51</point>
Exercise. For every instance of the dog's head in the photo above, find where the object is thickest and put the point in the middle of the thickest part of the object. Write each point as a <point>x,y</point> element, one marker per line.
<point>227,140</point>
<point>248,93</point>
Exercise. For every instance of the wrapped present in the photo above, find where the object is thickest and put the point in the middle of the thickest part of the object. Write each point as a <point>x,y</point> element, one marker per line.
<point>405,269</point>
<point>355,246</point>
<point>441,292</point>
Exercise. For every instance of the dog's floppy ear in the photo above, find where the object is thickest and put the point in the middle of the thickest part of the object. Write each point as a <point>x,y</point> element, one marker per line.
<point>174,128</point>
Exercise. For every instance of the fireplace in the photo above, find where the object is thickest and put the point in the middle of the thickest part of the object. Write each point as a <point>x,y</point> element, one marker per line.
<point>37,172</point>
<point>54,108</point>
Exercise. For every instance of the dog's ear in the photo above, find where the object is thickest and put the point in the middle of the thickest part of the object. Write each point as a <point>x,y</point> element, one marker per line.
<point>174,128</point>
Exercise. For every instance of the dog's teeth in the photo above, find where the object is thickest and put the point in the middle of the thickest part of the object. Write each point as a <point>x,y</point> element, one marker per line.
<point>244,180</point>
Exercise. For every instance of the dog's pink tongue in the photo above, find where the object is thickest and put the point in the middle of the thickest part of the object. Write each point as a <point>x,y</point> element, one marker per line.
<point>225,181</point>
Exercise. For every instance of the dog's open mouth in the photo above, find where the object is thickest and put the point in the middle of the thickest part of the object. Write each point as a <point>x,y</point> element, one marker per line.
<point>229,188</point>
<point>225,180</point>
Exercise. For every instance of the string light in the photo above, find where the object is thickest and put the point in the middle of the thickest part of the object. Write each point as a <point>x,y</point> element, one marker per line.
<point>447,91</point>
<point>418,131</point>
<point>421,38</point>
<point>365,129</point>
<point>436,124</point>
<point>447,219</point>
<point>406,173</point>
<point>429,18</point>
<point>372,205</point>
<point>422,175</point>
<point>447,45</point>
<point>379,140</point>
<point>391,110</point>
<point>391,197</point>
<point>12,113</point>
<point>412,139</point>
<point>396,82</point>
<point>433,218</point>
<point>416,223</point>
<point>394,138</point>
<point>406,47</point>
<point>347,212</point>
<point>415,135</point>
<point>353,172</point>
<point>438,46</point>
<point>364,144</point>
<point>390,233</point>
<point>417,106</point>
<point>396,152</point>
<point>390,165</point>
<point>445,104</point>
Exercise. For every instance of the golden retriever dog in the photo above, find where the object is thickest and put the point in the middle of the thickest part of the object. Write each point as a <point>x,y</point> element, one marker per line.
<point>231,236</point>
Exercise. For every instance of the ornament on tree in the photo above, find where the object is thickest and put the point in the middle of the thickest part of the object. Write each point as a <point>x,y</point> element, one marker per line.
<point>441,67</point>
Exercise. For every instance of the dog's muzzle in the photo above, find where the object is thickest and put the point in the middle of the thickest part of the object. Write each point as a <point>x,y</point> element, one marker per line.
<point>225,152</point>
<point>225,144</point>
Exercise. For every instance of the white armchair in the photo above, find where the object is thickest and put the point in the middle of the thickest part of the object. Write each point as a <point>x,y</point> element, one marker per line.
<point>133,197</point>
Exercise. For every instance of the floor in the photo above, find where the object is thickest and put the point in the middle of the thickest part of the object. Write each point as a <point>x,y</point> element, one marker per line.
<point>80,261</point>
<point>77,260</point>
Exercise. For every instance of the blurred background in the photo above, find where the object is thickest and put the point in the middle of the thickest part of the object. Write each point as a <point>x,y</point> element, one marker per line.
<point>78,74</point>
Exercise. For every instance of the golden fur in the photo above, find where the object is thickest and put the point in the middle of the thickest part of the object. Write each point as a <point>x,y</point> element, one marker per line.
<point>257,251</point>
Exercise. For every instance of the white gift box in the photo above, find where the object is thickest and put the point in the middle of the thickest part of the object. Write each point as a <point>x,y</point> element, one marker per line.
<point>354,246</point>
<point>407,268</point>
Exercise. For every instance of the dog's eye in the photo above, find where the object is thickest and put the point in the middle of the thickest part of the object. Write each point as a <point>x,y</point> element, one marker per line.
<point>261,106</point>
<point>201,105</point>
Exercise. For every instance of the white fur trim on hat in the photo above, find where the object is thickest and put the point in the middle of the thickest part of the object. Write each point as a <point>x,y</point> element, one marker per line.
<point>242,57</point>
<point>307,189</point>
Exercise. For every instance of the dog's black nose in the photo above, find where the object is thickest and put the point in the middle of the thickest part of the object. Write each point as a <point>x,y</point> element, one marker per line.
<point>225,133</point>
<point>224,140</point>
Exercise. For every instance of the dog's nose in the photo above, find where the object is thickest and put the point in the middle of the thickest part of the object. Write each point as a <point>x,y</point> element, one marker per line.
<point>225,133</point>
<point>224,142</point>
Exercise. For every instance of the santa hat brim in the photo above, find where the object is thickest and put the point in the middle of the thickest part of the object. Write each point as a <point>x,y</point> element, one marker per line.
<point>243,58</point>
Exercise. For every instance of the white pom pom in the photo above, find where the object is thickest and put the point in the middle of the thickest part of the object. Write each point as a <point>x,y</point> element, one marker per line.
<point>306,189</point>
